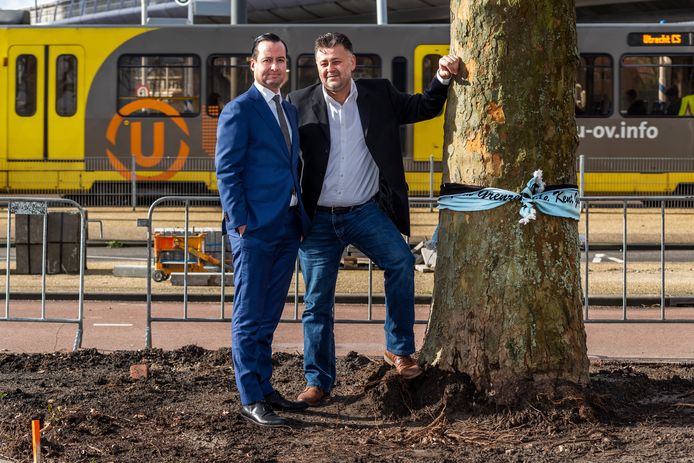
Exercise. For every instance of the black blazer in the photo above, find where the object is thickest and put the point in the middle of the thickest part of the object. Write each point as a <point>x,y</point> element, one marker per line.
<point>383,110</point>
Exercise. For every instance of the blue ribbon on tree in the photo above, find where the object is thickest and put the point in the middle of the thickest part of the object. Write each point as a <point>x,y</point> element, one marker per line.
<point>556,200</point>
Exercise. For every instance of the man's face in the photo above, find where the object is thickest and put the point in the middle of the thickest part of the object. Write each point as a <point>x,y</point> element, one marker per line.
<point>270,66</point>
<point>335,67</point>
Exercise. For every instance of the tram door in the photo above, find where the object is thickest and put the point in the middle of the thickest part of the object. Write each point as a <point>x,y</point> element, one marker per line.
<point>428,135</point>
<point>46,102</point>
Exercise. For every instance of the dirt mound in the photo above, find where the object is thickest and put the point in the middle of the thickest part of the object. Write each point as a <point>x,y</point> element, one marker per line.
<point>186,411</point>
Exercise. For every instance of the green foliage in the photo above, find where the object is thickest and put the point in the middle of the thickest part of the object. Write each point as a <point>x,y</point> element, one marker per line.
<point>114,244</point>
<point>3,394</point>
<point>55,412</point>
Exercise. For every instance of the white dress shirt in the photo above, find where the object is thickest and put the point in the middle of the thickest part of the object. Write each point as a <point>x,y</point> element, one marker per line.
<point>268,95</point>
<point>351,177</point>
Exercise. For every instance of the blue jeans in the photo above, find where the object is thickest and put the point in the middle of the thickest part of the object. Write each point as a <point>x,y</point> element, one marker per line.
<point>370,230</point>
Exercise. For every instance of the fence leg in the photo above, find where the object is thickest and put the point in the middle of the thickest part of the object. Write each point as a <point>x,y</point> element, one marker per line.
<point>662,260</point>
<point>222,277</point>
<point>431,182</point>
<point>133,182</point>
<point>624,268</point>
<point>7,260</point>
<point>582,178</point>
<point>148,330</point>
<point>296,289</point>
<point>370,295</point>
<point>586,250</point>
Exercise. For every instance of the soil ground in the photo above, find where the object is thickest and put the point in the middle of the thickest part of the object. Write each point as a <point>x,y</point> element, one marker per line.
<point>187,411</point>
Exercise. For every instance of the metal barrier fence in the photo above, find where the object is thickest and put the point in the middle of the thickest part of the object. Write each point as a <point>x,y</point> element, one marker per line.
<point>40,207</point>
<point>626,201</point>
<point>587,201</point>
<point>186,257</point>
<point>33,208</point>
<point>424,177</point>
<point>223,274</point>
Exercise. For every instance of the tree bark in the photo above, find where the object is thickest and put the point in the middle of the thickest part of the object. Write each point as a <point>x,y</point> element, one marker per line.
<point>507,297</point>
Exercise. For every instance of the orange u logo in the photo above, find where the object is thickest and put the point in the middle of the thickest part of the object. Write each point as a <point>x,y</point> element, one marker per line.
<point>136,140</point>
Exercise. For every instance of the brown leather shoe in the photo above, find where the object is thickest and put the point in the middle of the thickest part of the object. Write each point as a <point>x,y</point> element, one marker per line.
<point>404,365</point>
<point>313,396</point>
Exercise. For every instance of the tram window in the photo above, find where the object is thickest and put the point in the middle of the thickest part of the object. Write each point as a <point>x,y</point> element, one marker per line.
<point>66,85</point>
<point>368,67</point>
<point>593,95</point>
<point>170,79</point>
<point>430,64</point>
<point>306,71</point>
<point>25,93</point>
<point>399,73</point>
<point>228,76</point>
<point>399,80</point>
<point>660,86</point>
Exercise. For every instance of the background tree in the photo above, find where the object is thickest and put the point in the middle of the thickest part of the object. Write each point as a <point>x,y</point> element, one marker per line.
<point>507,297</point>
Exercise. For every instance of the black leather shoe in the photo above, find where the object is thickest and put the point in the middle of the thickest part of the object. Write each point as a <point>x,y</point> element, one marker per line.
<point>277,402</point>
<point>262,414</point>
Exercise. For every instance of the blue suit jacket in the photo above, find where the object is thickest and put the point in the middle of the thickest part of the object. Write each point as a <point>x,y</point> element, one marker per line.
<point>255,173</point>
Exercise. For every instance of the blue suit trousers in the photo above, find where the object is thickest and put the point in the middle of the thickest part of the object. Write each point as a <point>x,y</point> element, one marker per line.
<point>263,268</point>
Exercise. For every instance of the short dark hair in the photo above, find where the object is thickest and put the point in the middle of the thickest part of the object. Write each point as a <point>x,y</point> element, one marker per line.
<point>331,40</point>
<point>266,37</point>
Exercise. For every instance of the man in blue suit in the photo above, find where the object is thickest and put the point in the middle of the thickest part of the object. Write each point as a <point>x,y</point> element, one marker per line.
<point>257,173</point>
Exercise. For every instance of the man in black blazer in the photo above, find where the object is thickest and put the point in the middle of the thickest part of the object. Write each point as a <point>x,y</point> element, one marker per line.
<point>353,187</point>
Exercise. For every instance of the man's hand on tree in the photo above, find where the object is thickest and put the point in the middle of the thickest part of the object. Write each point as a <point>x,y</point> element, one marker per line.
<point>448,66</point>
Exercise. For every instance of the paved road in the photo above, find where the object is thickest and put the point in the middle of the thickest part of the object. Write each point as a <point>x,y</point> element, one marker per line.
<point>110,326</point>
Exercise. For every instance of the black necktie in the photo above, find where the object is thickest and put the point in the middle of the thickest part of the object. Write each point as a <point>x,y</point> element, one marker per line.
<point>283,122</point>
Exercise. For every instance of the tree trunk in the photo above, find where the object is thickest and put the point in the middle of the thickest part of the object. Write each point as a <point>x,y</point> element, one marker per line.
<point>507,297</point>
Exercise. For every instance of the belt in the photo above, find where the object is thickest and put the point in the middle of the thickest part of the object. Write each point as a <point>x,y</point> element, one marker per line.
<point>338,209</point>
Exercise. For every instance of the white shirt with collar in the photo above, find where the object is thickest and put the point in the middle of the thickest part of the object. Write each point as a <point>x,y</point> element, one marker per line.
<point>268,95</point>
<point>351,177</point>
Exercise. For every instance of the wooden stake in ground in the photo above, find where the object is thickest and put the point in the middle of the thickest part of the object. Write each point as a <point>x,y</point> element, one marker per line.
<point>36,440</point>
<point>507,297</point>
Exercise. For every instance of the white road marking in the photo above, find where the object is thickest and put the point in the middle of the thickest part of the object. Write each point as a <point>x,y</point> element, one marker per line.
<point>598,258</point>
